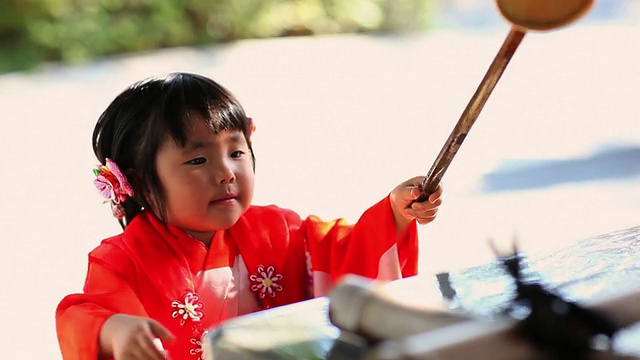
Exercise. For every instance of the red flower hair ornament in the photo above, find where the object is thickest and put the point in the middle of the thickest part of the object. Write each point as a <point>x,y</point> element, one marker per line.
<point>113,186</point>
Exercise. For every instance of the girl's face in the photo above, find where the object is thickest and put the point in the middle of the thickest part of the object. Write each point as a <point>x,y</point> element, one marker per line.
<point>208,184</point>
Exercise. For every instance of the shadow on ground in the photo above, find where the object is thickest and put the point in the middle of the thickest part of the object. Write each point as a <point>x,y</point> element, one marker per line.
<point>620,162</point>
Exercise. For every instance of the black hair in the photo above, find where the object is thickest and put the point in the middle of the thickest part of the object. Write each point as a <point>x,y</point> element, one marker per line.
<point>132,128</point>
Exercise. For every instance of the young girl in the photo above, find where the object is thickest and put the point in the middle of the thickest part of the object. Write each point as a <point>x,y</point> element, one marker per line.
<point>178,169</point>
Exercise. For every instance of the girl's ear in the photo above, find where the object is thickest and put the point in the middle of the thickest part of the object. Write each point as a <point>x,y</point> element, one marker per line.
<point>144,196</point>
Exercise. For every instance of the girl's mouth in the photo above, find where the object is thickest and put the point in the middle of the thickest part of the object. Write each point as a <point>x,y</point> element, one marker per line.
<point>225,199</point>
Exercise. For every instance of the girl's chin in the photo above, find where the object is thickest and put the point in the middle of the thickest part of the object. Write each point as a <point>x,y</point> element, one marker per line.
<point>217,226</point>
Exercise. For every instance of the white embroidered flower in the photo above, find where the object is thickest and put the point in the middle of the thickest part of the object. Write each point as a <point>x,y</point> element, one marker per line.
<point>197,343</point>
<point>189,309</point>
<point>265,282</point>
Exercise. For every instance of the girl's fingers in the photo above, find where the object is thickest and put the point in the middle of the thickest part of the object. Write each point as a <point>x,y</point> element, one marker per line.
<point>436,194</point>
<point>158,344</point>
<point>148,346</point>
<point>160,331</point>
<point>426,206</point>
<point>135,353</point>
<point>162,334</point>
<point>403,201</point>
<point>150,351</point>
<point>426,215</point>
<point>412,193</point>
<point>425,220</point>
<point>411,188</point>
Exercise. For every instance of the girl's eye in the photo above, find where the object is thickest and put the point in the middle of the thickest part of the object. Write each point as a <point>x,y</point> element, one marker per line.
<point>237,154</point>
<point>197,161</point>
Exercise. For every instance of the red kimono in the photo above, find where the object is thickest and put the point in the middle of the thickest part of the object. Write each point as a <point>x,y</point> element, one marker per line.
<point>270,257</point>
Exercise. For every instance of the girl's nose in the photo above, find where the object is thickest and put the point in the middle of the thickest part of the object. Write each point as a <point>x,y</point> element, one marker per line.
<point>225,174</point>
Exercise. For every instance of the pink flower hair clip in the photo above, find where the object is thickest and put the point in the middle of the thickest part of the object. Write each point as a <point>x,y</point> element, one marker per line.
<point>113,186</point>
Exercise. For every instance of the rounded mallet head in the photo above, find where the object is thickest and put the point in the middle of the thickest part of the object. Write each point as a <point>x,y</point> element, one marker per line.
<point>542,15</point>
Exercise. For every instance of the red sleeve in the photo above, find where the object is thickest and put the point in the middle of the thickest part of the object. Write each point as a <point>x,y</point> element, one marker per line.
<point>366,248</point>
<point>79,317</point>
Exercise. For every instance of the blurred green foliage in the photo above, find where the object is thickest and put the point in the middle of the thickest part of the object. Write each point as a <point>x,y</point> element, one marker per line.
<point>36,31</point>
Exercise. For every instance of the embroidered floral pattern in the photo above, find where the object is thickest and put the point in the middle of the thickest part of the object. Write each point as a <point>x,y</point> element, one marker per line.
<point>265,282</point>
<point>189,309</point>
<point>197,346</point>
<point>309,264</point>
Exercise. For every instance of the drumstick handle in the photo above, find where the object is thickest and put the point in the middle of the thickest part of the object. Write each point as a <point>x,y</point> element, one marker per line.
<point>471,112</point>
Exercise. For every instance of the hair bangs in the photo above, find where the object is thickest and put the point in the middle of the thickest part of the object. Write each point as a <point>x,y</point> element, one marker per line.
<point>186,93</point>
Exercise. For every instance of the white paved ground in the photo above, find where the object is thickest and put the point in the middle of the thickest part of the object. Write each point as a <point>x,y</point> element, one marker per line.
<point>340,121</point>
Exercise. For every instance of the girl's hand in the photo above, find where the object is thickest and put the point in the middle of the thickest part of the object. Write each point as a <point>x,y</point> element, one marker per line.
<point>405,210</point>
<point>128,337</point>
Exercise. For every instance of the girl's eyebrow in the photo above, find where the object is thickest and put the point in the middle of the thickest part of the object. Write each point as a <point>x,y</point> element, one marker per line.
<point>196,144</point>
<point>236,137</point>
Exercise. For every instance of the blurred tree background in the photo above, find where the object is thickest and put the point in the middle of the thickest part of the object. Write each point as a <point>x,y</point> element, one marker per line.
<point>72,31</point>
